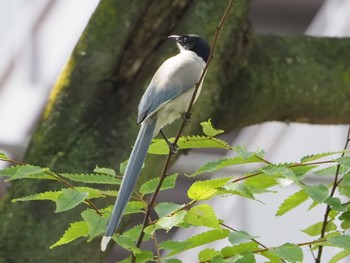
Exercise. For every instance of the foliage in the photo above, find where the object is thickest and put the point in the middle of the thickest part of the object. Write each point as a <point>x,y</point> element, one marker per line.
<point>81,189</point>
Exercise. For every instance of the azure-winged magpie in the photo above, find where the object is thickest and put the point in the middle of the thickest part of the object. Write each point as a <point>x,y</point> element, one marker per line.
<point>166,98</point>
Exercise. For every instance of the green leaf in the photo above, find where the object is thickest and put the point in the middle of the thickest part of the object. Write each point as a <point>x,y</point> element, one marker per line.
<point>345,161</point>
<point>318,193</point>
<point>3,156</point>
<point>246,258</point>
<point>241,248</point>
<point>134,233</point>
<point>195,241</point>
<point>207,254</point>
<point>172,260</point>
<point>261,181</point>
<point>292,202</point>
<point>345,218</point>
<point>122,166</point>
<point>166,208</point>
<point>26,172</point>
<point>289,252</point>
<point>92,178</point>
<point>344,186</point>
<point>203,190</point>
<point>144,256</point>
<point>279,171</point>
<point>127,243</point>
<point>313,157</point>
<point>169,222</point>
<point>150,186</point>
<point>107,171</point>
<point>75,230</point>
<point>68,199</point>
<point>225,162</point>
<point>239,237</point>
<point>97,224</point>
<point>159,146</point>
<point>49,195</point>
<point>315,229</point>
<point>245,154</point>
<point>339,256</point>
<point>335,204</point>
<point>202,215</point>
<point>209,130</point>
<point>342,241</point>
<point>330,171</point>
<point>134,207</point>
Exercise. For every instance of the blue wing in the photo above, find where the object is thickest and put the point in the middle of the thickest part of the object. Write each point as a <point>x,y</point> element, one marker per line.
<point>174,77</point>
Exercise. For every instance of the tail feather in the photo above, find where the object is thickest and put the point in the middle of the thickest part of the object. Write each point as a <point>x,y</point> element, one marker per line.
<point>132,172</point>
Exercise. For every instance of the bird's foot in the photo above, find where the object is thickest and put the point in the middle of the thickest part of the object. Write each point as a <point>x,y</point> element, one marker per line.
<point>186,118</point>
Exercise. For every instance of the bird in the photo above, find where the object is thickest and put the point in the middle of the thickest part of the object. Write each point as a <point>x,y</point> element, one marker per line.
<point>166,98</point>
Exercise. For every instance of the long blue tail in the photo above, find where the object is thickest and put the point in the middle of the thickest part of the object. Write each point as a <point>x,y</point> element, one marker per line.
<point>132,172</point>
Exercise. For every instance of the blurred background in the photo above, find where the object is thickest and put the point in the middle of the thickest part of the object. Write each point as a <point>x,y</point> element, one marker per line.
<point>38,36</point>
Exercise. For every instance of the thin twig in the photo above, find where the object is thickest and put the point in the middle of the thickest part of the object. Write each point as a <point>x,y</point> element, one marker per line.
<point>328,208</point>
<point>58,178</point>
<point>187,114</point>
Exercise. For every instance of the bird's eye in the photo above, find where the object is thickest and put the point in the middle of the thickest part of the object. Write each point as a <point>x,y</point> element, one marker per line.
<point>185,39</point>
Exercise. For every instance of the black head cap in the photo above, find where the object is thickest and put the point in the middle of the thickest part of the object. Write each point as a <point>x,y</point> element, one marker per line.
<point>194,43</point>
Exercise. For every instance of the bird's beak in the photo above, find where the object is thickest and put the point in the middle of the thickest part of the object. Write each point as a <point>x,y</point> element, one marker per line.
<point>174,37</point>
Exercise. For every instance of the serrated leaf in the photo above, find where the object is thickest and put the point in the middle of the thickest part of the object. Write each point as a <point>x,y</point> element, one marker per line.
<point>315,229</point>
<point>242,189</point>
<point>169,222</point>
<point>49,195</point>
<point>166,208</point>
<point>203,190</point>
<point>342,241</point>
<point>68,199</point>
<point>292,202</point>
<point>239,237</point>
<point>345,218</point>
<point>339,256</point>
<point>289,252</point>
<point>159,146</point>
<point>318,193</point>
<point>225,162</point>
<point>245,154</point>
<point>150,186</point>
<point>26,172</point>
<point>195,241</point>
<point>207,254</point>
<point>313,157</point>
<point>202,215</point>
<point>134,233</point>
<point>331,170</point>
<point>104,170</point>
<point>344,160</point>
<point>209,130</point>
<point>75,230</point>
<point>97,224</point>
<point>92,178</point>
